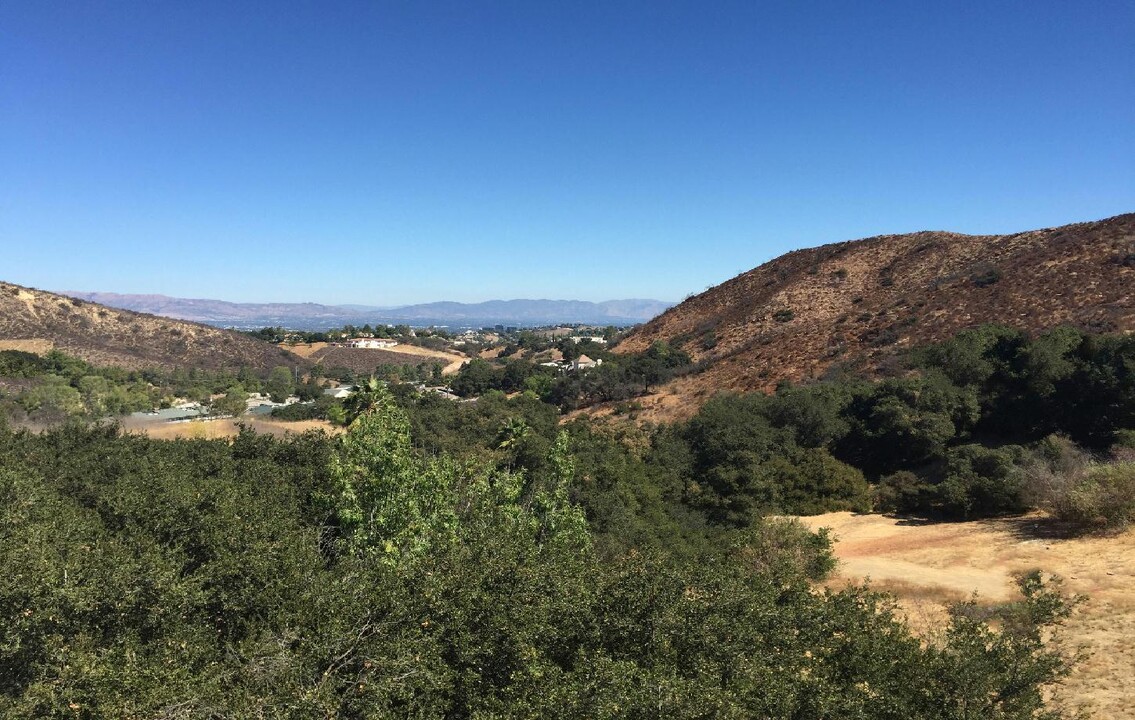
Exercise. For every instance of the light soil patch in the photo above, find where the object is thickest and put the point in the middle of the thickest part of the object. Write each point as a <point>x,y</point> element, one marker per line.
<point>305,350</point>
<point>662,405</point>
<point>928,565</point>
<point>38,346</point>
<point>453,360</point>
<point>213,429</point>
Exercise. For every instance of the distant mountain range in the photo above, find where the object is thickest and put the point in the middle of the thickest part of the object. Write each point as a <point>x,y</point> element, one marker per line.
<point>313,316</point>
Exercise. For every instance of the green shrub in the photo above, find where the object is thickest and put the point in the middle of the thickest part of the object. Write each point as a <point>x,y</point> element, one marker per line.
<point>986,277</point>
<point>1097,498</point>
<point>1125,438</point>
<point>1070,486</point>
<point>902,492</point>
<point>982,481</point>
<point>810,481</point>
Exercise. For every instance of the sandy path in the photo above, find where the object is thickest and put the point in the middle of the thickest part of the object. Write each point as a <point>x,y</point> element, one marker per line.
<point>929,565</point>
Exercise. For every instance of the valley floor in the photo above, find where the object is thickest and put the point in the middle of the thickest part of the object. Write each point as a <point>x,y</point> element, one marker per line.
<point>927,565</point>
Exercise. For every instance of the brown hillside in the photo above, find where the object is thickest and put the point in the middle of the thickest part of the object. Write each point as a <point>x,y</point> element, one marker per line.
<point>856,303</point>
<point>38,321</point>
<point>365,360</point>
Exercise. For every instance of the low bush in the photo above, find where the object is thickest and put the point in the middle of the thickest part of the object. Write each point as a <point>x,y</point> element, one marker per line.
<point>1102,497</point>
<point>902,492</point>
<point>1124,439</point>
<point>982,481</point>
<point>1074,489</point>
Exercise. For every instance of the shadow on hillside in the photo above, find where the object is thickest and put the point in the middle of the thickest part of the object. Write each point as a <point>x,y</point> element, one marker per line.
<point>1038,527</point>
<point>914,520</point>
<point>1032,526</point>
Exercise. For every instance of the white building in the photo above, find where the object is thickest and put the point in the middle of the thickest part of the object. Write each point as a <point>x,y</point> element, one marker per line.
<point>583,363</point>
<point>371,343</point>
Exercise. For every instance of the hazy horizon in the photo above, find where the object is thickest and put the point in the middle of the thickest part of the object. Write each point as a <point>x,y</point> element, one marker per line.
<point>370,306</point>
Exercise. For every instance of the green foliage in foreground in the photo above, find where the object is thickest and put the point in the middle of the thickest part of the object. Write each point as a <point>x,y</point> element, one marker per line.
<point>318,578</point>
<point>52,388</point>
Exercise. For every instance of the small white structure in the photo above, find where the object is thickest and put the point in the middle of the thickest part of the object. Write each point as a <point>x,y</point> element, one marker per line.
<point>583,363</point>
<point>371,343</point>
<point>341,392</point>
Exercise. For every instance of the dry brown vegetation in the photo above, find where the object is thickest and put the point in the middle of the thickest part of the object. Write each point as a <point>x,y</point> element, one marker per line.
<point>854,304</point>
<point>222,428</point>
<point>928,565</point>
<point>38,321</point>
<point>365,360</point>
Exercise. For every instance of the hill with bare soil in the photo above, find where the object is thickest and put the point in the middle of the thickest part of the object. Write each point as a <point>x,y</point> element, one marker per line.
<point>365,360</point>
<point>38,321</point>
<point>856,304</point>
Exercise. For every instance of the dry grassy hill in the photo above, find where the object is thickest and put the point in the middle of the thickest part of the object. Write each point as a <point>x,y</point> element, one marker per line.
<point>38,321</point>
<point>856,303</point>
<point>365,360</point>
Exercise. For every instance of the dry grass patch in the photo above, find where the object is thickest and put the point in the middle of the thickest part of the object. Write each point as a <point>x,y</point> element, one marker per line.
<point>38,346</point>
<point>226,428</point>
<point>930,565</point>
<point>304,350</point>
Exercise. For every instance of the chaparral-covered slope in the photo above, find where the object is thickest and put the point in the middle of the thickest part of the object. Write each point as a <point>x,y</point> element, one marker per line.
<point>38,321</point>
<point>854,304</point>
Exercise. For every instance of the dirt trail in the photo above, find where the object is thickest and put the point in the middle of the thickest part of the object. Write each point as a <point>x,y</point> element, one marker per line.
<point>928,565</point>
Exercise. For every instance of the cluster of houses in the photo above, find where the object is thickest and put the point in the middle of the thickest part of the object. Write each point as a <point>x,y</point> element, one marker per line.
<point>343,392</point>
<point>369,343</point>
<point>580,363</point>
<point>483,337</point>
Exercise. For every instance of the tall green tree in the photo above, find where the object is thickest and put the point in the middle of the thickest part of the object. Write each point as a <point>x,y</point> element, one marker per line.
<point>280,384</point>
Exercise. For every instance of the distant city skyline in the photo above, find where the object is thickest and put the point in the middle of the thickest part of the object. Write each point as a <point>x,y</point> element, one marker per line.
<point>387,154</point>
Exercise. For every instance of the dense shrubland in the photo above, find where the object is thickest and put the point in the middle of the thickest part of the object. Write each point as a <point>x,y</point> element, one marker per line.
<point>619,377</point>
<point>936,439</point>
<point>454,560</point>
<point>376,575</point>
<point>54,387</point>
<point>957,433</point>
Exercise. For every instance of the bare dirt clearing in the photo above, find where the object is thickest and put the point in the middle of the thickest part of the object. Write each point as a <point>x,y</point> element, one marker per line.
<point>928,565</point>
<point>330,355</point>
<point>305,350</point>
<point>454,360</point>
<point>32,345</point>
<point>211,429</point>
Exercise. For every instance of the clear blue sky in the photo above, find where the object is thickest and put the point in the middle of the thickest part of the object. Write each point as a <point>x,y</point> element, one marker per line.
<point>398,152</point>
